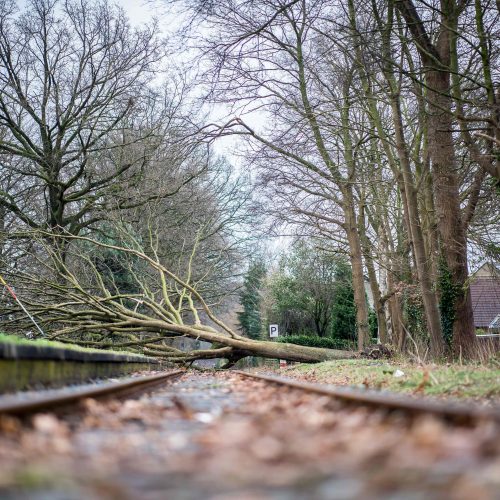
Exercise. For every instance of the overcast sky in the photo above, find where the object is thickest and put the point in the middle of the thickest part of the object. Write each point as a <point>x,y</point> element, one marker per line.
<point>140,12</point>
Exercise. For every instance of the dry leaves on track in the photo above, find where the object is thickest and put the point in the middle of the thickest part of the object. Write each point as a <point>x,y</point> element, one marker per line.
<point>220,433</point>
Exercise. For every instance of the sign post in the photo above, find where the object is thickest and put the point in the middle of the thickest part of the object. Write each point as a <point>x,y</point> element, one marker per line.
<point>274,332</point>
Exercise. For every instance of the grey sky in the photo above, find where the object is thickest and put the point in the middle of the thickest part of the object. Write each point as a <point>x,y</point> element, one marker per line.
<point>139,12</point>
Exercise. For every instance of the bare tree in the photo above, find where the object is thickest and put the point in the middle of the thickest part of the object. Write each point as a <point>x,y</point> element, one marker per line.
<point>389,81</point>
<point>75,114</point>
<point>436,66</point>
<point>264,55</point>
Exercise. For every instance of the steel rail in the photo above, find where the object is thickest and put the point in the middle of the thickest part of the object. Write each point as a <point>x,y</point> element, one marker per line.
<point>454,411</point>
<point>67,397</point>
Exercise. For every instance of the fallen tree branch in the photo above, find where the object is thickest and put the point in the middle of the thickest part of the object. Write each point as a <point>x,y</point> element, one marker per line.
<point>81,308</point>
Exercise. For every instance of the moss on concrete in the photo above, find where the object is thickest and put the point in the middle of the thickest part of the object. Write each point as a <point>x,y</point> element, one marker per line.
<point>13,339</point>
<point>17,375</point>
<point>32,364</point>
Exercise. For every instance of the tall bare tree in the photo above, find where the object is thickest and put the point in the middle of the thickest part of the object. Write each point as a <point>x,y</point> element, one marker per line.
<point>75,116</point>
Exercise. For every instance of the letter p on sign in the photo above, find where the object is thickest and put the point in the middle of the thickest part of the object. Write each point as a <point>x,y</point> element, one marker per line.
<point>273,330</point>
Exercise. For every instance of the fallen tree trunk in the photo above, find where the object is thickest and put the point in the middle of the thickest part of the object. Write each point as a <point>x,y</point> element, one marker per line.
<point>293,352</point>
<point>231,347</point>
<point>235,345</point>
<point>261,349</point>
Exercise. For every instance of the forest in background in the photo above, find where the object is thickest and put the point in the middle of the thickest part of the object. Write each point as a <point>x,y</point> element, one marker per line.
<point>365,133</point>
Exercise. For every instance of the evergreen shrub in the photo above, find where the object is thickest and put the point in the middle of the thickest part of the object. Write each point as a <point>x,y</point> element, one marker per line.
<point>314,341</point>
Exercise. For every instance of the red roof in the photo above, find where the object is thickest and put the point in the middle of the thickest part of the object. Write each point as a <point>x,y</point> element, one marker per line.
<point>485,295</point>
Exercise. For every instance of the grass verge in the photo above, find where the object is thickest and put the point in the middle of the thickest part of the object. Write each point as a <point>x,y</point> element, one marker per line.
<point>450,380</point>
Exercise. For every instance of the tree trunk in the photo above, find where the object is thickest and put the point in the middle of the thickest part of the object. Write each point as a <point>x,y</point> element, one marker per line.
<point>436,58</point>
<point>395,312</point>
<point>2,234</point>
<point>233,345</point>
<point>263,349</point>
<point>358,280</point>
<point>293,352</point>
<point>415,229</point>
<point>447,200</point>
<point>372,276</point>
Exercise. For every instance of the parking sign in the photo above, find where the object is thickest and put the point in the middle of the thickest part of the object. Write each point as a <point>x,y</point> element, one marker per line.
<point>273,330</point>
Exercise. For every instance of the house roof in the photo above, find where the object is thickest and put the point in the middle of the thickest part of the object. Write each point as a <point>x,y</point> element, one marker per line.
<point>488,269</point>
<point>485,295</point>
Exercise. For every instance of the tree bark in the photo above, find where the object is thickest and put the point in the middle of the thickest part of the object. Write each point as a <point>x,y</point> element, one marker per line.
<point>395,312</point>
<point>358,280</point>
<point>431,308</point>
<point>372,276</point>
<point>453,241</point>
<point>447,199</point>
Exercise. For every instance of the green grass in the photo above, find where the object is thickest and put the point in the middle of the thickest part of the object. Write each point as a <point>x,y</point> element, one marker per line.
<point>461,381</point>
<point>13,339</point>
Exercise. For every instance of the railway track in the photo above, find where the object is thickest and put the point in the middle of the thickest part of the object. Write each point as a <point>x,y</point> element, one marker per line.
<point>64,398</point>
<point>227,435</point>
<point>455,412</point>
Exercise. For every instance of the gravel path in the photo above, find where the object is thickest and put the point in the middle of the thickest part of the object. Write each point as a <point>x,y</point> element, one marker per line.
<point>219,436</point>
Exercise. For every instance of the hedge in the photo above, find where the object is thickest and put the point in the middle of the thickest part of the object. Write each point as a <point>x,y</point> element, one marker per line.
<point>314,341</point>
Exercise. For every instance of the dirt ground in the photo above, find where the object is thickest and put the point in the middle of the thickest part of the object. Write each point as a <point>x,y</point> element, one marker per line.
<point>219,436</point>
